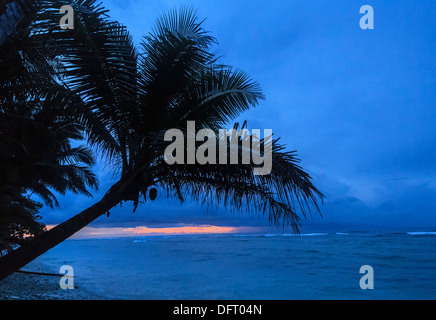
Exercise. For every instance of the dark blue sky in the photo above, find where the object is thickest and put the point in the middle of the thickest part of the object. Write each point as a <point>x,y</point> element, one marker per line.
<point>358,105</point>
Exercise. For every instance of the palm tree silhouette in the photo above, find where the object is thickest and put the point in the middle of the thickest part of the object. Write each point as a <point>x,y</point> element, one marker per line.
<point>129,98</point>
<point>38,120</point>
<point>37,156</point>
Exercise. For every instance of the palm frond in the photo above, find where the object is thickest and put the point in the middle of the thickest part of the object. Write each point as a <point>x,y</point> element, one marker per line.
<point>286,195</point>
<point>220,96</point>
<point>183,22</point>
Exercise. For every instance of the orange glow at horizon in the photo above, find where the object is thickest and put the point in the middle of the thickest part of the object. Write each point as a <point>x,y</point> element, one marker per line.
<point>92,232</point>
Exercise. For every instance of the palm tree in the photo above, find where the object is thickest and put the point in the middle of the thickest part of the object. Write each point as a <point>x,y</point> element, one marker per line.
<point>130,98</point>
<point>37,123</point>
<point>36,158</point>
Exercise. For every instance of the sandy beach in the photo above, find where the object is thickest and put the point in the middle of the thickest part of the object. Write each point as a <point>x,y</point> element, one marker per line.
<point>38,287</point>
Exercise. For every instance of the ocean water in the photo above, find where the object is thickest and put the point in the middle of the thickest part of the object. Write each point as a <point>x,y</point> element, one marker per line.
<point>251,266</point>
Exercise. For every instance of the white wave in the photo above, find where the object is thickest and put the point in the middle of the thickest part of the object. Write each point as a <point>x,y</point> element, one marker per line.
<point>432,233</point>
<point>280,235</point>
<point>341,233</point>
<point>295,235</point>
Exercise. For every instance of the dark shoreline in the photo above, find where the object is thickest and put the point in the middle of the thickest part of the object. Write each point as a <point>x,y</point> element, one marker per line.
<point>19,286</point>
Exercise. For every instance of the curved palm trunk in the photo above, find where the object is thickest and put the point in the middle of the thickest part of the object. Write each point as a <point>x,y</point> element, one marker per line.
<point>39,245</point>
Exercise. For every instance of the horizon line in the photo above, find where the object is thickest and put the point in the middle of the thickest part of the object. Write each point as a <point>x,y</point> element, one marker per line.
<point>144,231</point>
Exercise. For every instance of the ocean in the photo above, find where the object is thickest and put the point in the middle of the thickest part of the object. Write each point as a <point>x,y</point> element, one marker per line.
<point>251,266</point>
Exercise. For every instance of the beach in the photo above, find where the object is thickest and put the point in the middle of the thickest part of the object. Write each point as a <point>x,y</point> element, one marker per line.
<point>21,286</point>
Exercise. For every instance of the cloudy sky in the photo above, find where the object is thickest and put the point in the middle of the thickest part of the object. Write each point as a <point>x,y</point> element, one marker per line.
<point>359,106</point>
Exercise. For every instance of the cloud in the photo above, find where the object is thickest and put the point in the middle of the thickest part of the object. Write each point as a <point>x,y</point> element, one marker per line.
<point>143,231</point>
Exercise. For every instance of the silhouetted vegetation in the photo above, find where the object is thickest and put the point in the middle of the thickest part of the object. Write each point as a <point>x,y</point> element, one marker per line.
<point>124,98</point>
